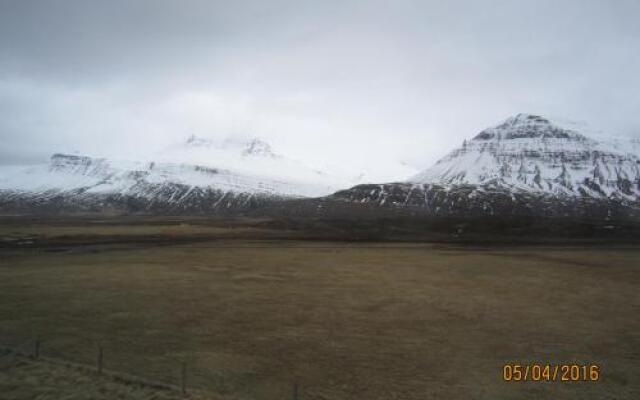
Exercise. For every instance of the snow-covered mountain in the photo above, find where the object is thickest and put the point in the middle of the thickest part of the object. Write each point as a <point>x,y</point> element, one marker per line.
<point>256,157</point>
<point>198,175</point>
<point>528,152</point>
<point>524,166</point>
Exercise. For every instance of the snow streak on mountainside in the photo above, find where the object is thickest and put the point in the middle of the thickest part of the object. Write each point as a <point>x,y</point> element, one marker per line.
<point>529,153</point>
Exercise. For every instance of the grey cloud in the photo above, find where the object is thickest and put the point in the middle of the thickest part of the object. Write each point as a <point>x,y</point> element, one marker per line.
<point>405,79</point>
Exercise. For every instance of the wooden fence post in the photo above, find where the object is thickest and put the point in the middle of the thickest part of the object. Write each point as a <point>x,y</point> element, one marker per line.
<point>183,378</point>
<point>100,356</point>
<point>36,349</point>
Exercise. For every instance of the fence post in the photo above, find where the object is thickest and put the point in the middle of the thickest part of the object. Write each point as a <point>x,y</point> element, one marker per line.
<point>295,391</point>
<point>183,378</point>
<point>100,355</point>
<point>36,349</point>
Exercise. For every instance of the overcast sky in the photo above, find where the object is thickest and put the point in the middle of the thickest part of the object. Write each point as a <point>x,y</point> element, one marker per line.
<point>360,82</point>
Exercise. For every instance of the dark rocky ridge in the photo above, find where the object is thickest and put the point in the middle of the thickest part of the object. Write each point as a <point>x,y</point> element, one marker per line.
<point>196,201</point>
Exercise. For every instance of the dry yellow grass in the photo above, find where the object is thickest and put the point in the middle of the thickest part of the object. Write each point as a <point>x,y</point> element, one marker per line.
<point>345,321</point>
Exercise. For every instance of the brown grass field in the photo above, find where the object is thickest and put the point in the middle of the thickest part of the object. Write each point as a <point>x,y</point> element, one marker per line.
<point>343,320</point>
<point>22,377</point>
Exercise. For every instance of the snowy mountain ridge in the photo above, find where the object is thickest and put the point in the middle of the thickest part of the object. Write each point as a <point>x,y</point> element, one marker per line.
<point>173,181</point>
<point>530,153</point>
<point>99,175</point>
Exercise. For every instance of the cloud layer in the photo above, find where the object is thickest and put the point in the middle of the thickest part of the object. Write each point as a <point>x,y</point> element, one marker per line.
<point>350,82</point>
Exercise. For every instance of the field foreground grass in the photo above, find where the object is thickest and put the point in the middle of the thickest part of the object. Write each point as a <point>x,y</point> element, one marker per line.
<point>342,320</point>
<point>24,378</point>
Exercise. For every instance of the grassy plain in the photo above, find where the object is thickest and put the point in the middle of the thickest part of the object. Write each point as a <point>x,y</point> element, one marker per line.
<point>343,320</point>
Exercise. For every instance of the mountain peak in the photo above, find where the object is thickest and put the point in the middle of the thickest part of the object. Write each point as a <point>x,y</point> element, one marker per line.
<point>257,147</point>
<point>252,147</point>
<point>195,141</point>
<point>528,152</point>
<point>528,126</point>
<point>527,118</point>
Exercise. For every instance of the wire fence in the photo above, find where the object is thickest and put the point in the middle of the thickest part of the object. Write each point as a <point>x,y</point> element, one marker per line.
<point>36,350</point>
<point>33,350</point>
